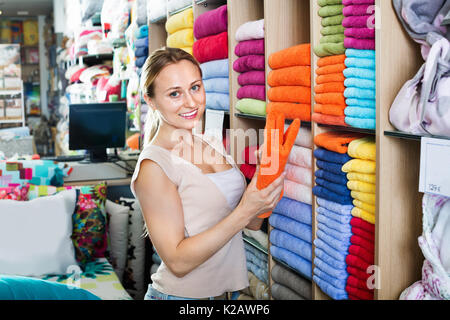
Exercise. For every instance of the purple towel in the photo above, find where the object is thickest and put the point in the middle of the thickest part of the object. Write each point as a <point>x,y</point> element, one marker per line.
<point>249,63</point>
<point>252,77</point>
<point>349,2</point>
<point>361,44</point>
<point>358,10</point>
<point>257,92</point>
<point>248,47</point>
<point>365,21</point>
<point>360,33</point>
<point>211,22</point>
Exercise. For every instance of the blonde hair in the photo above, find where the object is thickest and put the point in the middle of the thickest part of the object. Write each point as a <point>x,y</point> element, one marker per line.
<point>159,59</point>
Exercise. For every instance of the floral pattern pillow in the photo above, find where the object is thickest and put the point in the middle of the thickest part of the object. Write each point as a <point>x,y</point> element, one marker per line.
<point>17,193</point>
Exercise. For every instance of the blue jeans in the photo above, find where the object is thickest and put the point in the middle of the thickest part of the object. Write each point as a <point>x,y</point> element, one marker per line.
<point>153,294</point>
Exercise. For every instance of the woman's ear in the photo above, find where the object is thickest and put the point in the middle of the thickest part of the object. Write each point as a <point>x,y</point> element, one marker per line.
<point>149,101</point>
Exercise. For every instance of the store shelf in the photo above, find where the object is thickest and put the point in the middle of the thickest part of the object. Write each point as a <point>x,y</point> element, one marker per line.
<point>349,129</point>
<point>94,58</point>
<point>410,136</point>
<point>255,244</point>
<point>262,118</point>
<point>10,92</point>
<point>11,121</point>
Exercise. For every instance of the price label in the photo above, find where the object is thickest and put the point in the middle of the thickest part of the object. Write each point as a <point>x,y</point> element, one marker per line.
<point>435,166</point>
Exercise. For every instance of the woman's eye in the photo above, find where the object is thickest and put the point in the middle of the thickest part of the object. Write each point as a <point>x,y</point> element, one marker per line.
<point>196,87</point>
<point>174,94</point>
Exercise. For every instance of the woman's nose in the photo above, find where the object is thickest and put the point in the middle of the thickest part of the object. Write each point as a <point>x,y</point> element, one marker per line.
<point>189,100</point>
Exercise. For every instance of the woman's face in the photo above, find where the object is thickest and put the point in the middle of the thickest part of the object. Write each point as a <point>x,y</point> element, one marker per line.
<point>179,94</point>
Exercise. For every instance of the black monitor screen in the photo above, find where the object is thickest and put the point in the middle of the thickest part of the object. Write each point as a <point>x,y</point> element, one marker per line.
<point>97,126</point>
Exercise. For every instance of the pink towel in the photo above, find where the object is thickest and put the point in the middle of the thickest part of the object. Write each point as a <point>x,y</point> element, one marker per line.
<point>297,191</point>
<point>358,10</point>
<point>299,174</point>
<point>350,2</point>
<point>300,156</point>
<point>304,138</point>
<point>252,77</point>
<point>360,33</point>
<point>257,92</point>
<point>248,47</point>
<point>249,63</point>
<point>358,21</point>
<point>249,156</point>
<point>211,22</point>
<point>362,44</point>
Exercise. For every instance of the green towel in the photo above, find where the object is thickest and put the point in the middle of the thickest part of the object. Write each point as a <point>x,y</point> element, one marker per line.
<point>328,31</point>
<point>252,106</point>
<point>334,38</point>
<point>329,11</point>
<point>324,3</point>
<point>329,49</point>
<point>333,21</point>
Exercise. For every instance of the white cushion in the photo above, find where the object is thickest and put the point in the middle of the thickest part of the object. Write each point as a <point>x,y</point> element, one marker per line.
<point>35,235</point>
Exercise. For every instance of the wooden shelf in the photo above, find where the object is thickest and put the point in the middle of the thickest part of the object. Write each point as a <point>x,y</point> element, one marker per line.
<point>410,136</point>
<point>348,129</point>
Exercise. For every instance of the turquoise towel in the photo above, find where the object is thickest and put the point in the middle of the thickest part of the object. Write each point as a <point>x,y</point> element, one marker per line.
<point>322,255</point>
<point>362,103</point>
<point>343,219</point>
<point>357,112</point>
<point>219,85</point>
<point>285,240</point>
<point>361,123</point>
<point>329,289</point>
<point>336,283</point>
<point>217,101</point>
<point>338,255</point>
<point>141,32</point>
<point>358,53</point>
<point>360,83</point>
<point>359,93</point>
<point>359,73</point>
<point>338,274</point>
<point>335,207</point>
<point>360,63</point>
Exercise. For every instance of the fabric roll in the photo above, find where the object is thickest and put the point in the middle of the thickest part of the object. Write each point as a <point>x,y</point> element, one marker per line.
<point>303,266</point>
<point>287,241</point>
<point>215,69</point>
<point>251,106</point>
<point>252,78</point>
<point>211,22</point>
<point>250,30</point>
<point>290,110</point>
<point>292,94</point>
<point>300,230</point>
<point>298,174</point>
<point>299,55</point>
<point>298,211</point>
<point>297,192</point>
<point>250,47</point>
<point>289,279</point>
<point>252,92</point>
<point>211,48</point>
<point>290,76</point>
<point>249,63</point>
<point>179,21</point>
<point>181,38</point>
<point>280,292</point>
<point>220,85</point>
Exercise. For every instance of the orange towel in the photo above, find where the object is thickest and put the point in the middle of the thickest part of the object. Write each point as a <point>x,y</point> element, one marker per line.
<point>330,87</point>
<point>330,98</point>
<point>291,110</point>
<point>336,141</point>
<point>332,77</point>
<point>333,68</point>
<point>330,109</point>
<point>295,94</point>
<point>290,76</point>
<point>275,153</point>
<point>299,55</point>
<point>329,60</point>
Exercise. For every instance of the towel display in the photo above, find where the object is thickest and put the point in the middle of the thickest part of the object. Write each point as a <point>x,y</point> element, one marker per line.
<point>251,106</point>
<point>250,47</point>
<point>211,48</point>
<point>298,174</point>
<point>298,211</point>
<point>179,21</point>
<point>295,245</point>
<point>251,91</point>
<point>285,277</point>
<point>252,78</point>
<point>303,266</point>
<point>250,30</point>
<point>211,22</point>
<point>300,230</point>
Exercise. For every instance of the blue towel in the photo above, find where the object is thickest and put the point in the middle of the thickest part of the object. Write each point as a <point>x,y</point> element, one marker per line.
<point>337,283</point>
<point>141,52</point>
<point>360,63</point>
<point>215,69</point>
<point>358,93</point>
<point>333,292</point>
<point>330,156</point>
<point>220,85</point>
<point>322,192</point>
<point>286,241</point>
<point>217,101</point>
<point>330,167</point>
<point>255,260</point>
<point>338,235</point>
<point>363,103</point>
<point>291,226</point>
<point>360,83</point>
<point>357,112</point>
<point>141,32</point>
<point>336,273</point>
<point>356,53</point>
<point>337,188</point>
<point>261,274</point>
<point>140,62</point>
<point>322,174</point>
<point>361,123</point>
<point>303,266</point>
<point>296,210</point>
<point>340,218</point>
<point>330,223</point>
<point>322,255</point>
<point>260,255</point>
<point>332,242</point>
<point>359,73</point>
<point>338,255</point>
<point>142,42</point>
<point>335,207</point>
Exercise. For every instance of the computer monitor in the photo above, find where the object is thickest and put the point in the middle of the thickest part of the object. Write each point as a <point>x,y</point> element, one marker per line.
<point>97,126</point>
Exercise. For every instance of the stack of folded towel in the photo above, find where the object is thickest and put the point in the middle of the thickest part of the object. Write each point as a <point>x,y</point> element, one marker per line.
<point>180,30</point>
<point>257,263</point>
<point>288,285</point>
<point>257,290</point>
<point>332,40</point>
<point>141,46</point>
<point>251,65</point>
<point>211,46</point>
<point>217,96</point>
<point>290,82</point>
<point>359,24</point>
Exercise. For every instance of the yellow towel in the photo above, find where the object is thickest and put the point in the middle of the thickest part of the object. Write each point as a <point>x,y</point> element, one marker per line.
<point>181,20</point>
<point>364,206</point>
<point>364,197</point>
<point>366,216</point>
<point>364,148</point>
<point>365,177</point>
<point>181,39</point>
<point>359,165</point>
<point>356,185</point>
<point>188,50</point>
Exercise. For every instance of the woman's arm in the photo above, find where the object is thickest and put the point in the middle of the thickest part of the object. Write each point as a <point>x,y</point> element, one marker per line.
<point>163,214</point>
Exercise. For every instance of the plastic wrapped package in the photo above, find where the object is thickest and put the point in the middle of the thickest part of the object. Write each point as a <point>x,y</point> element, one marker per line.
<point>156,9</point>
<point>115,17</point>
<point>173,5</point>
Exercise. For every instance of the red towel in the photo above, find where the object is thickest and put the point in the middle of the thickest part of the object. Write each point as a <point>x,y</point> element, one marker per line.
<point>360,223</point>
<point>359,241</point>
<point>358,293</point>
<point>357,262</point>
<point>362,253</point>
<point>357,283</point>
<point>357,273</point>
<point>363,234</point>
<point>211,48</point>
<point>248,170</point>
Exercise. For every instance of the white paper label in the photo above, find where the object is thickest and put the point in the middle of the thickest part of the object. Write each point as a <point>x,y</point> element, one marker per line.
<point>435,166</point>
<point>214,123</point>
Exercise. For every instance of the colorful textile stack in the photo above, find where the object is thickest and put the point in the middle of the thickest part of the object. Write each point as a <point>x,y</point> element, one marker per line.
<point>257,263</point>
<point>290,82</point>
<point>211,47</point>
<point>251,66</point>
<point>180,30</point>
<point>332,40</point>
<point>141,46</point>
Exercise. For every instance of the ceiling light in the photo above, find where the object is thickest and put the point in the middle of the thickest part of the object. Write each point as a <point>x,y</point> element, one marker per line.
<point>1,12</point>
<point>22,13</point>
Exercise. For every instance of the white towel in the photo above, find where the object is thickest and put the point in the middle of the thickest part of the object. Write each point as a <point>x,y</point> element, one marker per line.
<point>250,30</point>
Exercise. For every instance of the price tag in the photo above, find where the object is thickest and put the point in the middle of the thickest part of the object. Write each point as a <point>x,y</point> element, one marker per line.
<point>435,166</point>
<point>214,123</point>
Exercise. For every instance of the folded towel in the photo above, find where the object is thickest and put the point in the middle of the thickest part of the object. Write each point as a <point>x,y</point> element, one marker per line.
<point>188,50</point>
<point>360,165</point>
<point>261,237</point>
<point>365,177</point>
<point>336,141</point>
<point>141,32</point>
<point>334,243</point>
<point>291,110</point>
<point>215,69</point>
<point>350,2</point>
<point>252,91</point>
<point>355,185</point>
<point>249,63</point>
<point>211,22</point>
<point>356,43</point>
<point>358,293</point>
<point>256,252</point>
<point>364,197</point>
<point>220,85</point>
<point>364,148</point>
<point>297,191</point>
<point>248,170</point>
<point>218,101</point>
<point>333,224</point>
<point>333,77</point>
<point>358,93</point>
<point>322,255</point>
<point>286,241</point>
<point>357,283</point>
<point>300,230</point>
<point>332,21</point>
<point>364,206</point>
<point>336,283</point>
<point>327,119</point>
<point>330,109</point>
<point>291,280</point>
<point>335,207</point>
<point>360,83</point>
<point>257,289</point>
<point>357,273</point>
<point>357,21</point>
<point>141,52</point>
<point>361,123</point>
<point>261,263</point>
<point>331,68</point>
<point>249,156</point>
<point>366,216</point>
<point>293,94</point>
<point>330,167</point>
<point>250,30</point>
<point>331,60</point>
<point>337,87</point>
<point>362,103</point>
<point>259,273</point>
<point>363,234</point>
<point>364,254</point>
<point>360,33</point>
<point>140,61</point>
<point>181,38</point>
<point>332,38</point>
<point>334,187</point>
<point>358,10</point>
<point>338,255</point>
<point>330,10</point>
<point>330,290</point>
<point>360,241</point>
<point>325,31</point>
<point>364,54</point>
<point>359,73</point>
<point>299,55</point>
<point>330,156</point>
<point>340,218</point>
<point>142,42</point>
<point>328,49</point>
<point>322,265</point>
<point>211,48</point>
<point>330,98</point>
<point>300,156</point>
<point>298,211</point>
<point>304,138</point>
<point>281,292</point>
<point>252,106</point>
<point>179,21</point>
<point>291,259</point>
<point>359,223</point>
<point>337,235</point>
<point>323,3</point>
<point>357,262</point>
<point>290,76</point>
<point>298,174</point>
<point>353,62</point>
<point>249,47</point>
<point>252,77</point>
